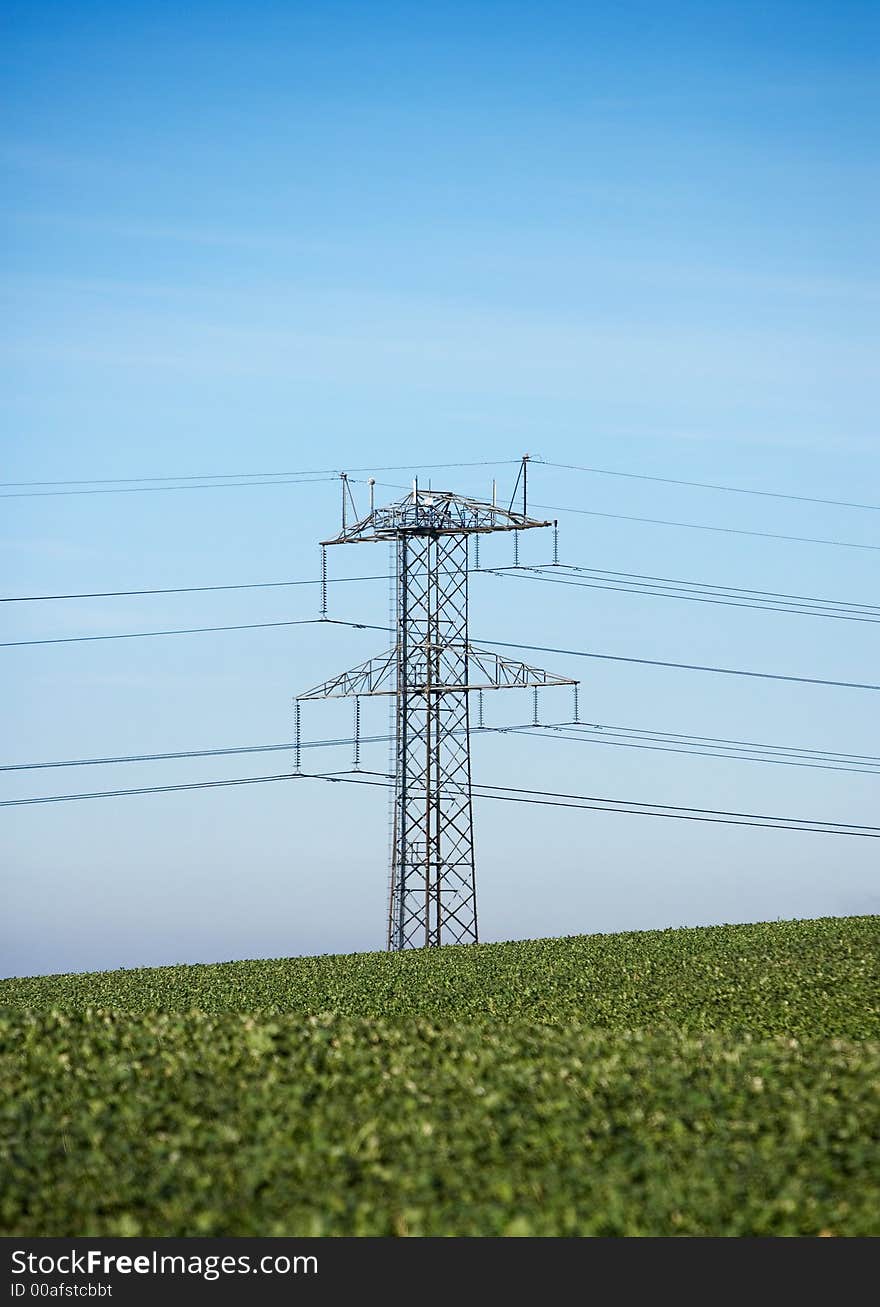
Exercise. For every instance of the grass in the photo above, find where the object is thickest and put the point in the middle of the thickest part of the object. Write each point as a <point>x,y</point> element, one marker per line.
<point>721,1081</point>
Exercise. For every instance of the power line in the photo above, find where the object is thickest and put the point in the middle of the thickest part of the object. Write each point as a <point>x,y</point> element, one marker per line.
<point>688,667</point>
<point>154,789</point>
<point>256,477</point>
<point>634,807</point>
<point>620,581</point>
<point>271,479</point>
<point>134,490</point>
<point>693,591</point>
<point>501,644</point>
<point>510,794</point>
<point>771,594</point>
<point>586,731</point>
<point>709,485</point>
<point>673,807</point>
<point>681,816</point>
<point>582,733</point>
<point>203,476</point>
<point>704,526</point>
<point>659,662</point>
<point>189,589</point>
<point>288,745</point>
<point>750,746</point>
<point>124,485</point>
<point>601,736</point>
<point>616,580</point>
<point>186,630</point>
<point>694,526</point>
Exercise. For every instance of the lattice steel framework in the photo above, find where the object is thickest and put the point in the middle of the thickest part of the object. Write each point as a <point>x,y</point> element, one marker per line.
<point>433,889</point>
<point>431,670</point>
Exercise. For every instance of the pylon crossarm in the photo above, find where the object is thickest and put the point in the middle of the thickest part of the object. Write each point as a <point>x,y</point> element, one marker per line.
<point>506,673</point>
<point>486,671</point>
<point>370,677</point>
<point>432,513</point>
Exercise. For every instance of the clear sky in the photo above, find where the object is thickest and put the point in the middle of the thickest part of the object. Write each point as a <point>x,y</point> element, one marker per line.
<point>263,237</point>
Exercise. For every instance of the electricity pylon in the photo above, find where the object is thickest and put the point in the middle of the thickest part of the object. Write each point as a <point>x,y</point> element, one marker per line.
<point>431,671</point>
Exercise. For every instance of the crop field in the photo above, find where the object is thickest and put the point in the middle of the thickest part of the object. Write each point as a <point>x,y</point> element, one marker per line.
<point>715,1081</point>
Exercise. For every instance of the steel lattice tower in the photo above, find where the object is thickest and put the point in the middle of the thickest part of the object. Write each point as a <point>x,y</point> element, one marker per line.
<point>431,671</point>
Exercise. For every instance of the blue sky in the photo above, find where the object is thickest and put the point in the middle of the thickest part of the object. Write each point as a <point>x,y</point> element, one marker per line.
<point>264,237</point>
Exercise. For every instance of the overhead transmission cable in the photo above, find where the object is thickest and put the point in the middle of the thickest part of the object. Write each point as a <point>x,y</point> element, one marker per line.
<point>693,591</point>
<point>136,490</point>
<point>287,745</point>
<point>190,589</point>
<point>692,748</point>
<point>709,485</point>
<point>693,526</point>
<point>706,526</point>
<point>590,578</point>
<point>582,732</point>
<point>511,794</point>
<point>184,630</point>
<point>126,485</point>
<point>256,477</point>
<point>501,644</point>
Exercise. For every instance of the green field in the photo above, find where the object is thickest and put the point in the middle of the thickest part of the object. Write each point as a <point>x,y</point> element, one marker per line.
<point>714,1081</point>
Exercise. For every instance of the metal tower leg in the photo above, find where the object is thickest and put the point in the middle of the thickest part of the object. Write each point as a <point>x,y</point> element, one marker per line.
<point>433,893</point>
